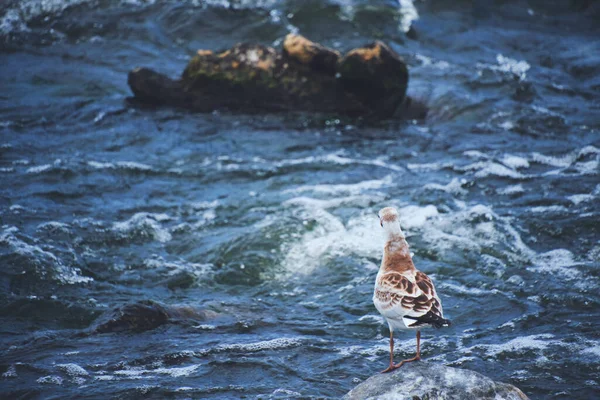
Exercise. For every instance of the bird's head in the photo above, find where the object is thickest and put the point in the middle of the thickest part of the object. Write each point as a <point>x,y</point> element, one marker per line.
<point>390,221</point>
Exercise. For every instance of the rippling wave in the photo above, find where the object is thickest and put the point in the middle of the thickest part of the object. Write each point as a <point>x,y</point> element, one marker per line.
<point>252,242</point>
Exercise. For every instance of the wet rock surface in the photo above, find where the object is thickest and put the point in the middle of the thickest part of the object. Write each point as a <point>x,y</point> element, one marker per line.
<point>147,315</point>
<point>376,74</point>
<point>302,76</point>
<point>428,381</point>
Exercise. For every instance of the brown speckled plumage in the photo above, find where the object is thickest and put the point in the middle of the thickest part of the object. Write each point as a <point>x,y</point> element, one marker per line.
<point>405,296</point>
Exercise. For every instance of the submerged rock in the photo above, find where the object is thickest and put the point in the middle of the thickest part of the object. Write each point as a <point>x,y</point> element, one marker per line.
<point>427,381</point>
<point>146,315</point>
<point>302,76</point>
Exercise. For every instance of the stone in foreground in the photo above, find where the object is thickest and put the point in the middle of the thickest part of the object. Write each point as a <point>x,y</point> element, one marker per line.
<point>427,381</point>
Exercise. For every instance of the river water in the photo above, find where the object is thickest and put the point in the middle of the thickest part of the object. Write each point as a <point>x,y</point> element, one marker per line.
<point>269,221</point>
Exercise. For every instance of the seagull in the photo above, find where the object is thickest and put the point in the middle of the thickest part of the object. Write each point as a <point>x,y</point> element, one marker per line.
<point>404,295</point>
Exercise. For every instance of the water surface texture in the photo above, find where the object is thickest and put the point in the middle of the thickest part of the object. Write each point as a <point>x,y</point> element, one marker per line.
<point>269,222</point>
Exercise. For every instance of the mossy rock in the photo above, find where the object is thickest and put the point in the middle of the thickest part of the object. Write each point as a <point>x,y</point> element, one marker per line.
<point>376,74</point>
<point>303,76</point>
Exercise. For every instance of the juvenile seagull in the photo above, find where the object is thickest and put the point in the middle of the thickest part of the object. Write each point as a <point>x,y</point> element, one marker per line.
<point>404,295</point>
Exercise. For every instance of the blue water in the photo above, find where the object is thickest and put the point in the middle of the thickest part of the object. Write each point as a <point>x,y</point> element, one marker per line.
<point>269,221</point>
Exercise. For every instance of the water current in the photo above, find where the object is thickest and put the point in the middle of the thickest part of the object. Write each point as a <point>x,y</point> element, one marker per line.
<point>268,222</point>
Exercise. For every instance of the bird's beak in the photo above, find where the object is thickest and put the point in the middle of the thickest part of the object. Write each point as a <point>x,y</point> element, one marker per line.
<point>381,223</point>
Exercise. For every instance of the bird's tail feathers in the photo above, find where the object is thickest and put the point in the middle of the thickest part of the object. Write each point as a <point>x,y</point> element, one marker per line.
<point>429,319</point>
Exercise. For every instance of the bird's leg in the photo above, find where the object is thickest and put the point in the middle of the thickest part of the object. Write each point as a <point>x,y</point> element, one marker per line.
<point>415,358</point>
<point>418,356</point>
<point>392,366</point>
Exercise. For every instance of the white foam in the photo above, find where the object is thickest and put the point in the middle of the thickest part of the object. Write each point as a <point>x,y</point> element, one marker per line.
<point>588,167</point>
<point>146,224</point>
<point>372,318</point>
<point>273,344</point>
<point>546,209</point>
<point>337,159</point>
<point>175,267</point>
<point>361,201</point>
<point>30,9</point>
<point>514,162</point>
<point>204,205</point>
<point>413,216</point>
<point>127,165</point>
<point>511,189</point>
<point>476,154</point>
<point>427,61</point>
<point>38,169</point>
<point>462,289</point>
<point>132,373</point>
<point>16,208</point>
<point>493,264</point>
<point>408,13</point>
<point>510,65</point>
<point>12,22</point>
<point>484,169</point>
<point>133,165</point>
<point>73,369</point>
<point>100,165</point>
<point>516,345</point>
<point>560,262</point>
<point>509,324</point>
<point>455,186</point>
<point>50,379</point>
<point>362,236</point>
<point>462,360</point>
<point>425,166</point>
<point>205,327</point>
<point>593,350</point>
<point>555,161</point>
<point>285,392</point>
<point>353,188</point>
<point>372,353</point>
<point>49,263</point>
<point>11,372</point>
<point>473,230</point>
<point>177,372</point>
<point>520,374</point>
<point>588,150</point>
<point>78,380</point>
<point>100,116</point>
<point>54,226</point>
<point>581,198</point>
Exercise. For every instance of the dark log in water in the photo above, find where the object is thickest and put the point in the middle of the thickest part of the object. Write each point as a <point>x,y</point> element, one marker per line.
<point>304,76</point>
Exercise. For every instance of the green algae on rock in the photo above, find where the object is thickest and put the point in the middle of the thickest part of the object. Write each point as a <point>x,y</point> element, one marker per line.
<point>303,76</point>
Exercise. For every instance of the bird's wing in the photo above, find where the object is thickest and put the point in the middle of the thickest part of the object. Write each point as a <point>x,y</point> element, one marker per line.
<point>415,300</point>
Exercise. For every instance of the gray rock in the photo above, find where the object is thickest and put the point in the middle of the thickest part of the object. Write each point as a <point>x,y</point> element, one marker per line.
<point>428,381</point>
